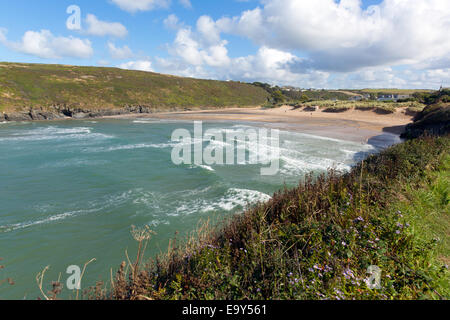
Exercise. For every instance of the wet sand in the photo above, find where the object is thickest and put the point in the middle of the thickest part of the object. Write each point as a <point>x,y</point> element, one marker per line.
<point>352,125</point>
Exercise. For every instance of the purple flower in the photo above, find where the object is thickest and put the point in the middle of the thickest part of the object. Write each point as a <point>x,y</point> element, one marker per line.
<point>348,274</point>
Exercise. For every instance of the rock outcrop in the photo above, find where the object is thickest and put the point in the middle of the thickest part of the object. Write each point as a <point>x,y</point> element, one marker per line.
<point>433,120</point>
<point>64,112</point>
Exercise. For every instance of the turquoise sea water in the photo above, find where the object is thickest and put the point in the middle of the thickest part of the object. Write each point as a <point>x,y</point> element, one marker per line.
<point>71,190</point>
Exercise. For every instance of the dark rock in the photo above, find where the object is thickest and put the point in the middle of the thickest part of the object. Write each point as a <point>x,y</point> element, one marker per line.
<point>18,116</point>
<point>80,115</point>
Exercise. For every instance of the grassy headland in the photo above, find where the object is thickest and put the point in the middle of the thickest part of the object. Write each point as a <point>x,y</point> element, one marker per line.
<point>318,240</point>
<point>90,89</point>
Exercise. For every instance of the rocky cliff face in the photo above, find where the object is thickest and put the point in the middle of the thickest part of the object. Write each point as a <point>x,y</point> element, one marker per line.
<point>63,112</point>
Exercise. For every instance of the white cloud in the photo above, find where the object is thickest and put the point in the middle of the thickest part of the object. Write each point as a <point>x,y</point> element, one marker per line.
<point>341,36</point>
<point>102,28</point>
<point>141,5</point>
<point>172,22</point>
<point>321,43</point>
<point>186,3</point>
<point>44,44</point>
<point>119,53</point>
<point>198,49</point>
<point>140,65</point>
<point>3,33</point>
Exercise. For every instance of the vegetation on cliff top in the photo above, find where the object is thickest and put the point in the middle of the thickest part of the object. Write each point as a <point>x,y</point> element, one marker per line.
<point>318,241</point>
<point>24,86</point>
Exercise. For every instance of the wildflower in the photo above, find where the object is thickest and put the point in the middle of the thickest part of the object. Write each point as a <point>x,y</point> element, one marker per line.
<point>344,243</point>
<point>397,232</point>
<point>359,219</point>
<point>348,274</point>
<point>290,274</point>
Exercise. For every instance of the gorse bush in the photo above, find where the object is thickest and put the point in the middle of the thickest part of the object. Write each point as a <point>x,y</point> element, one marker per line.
<point>315,241</point>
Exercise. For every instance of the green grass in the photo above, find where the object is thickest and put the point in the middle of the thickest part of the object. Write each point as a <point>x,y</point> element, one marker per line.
<point>393,91</point>
<point>380,107</point>
<point>317,241</point>
<point>40,86</point>
<point>428,209</point>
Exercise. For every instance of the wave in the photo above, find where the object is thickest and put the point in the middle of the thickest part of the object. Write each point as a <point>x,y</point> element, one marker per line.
<point>57,217</point>
<point>55,133</point>
<point>74,163</point>
<point>207,168</point>
<point>235,198</point>
<point>105,203</point>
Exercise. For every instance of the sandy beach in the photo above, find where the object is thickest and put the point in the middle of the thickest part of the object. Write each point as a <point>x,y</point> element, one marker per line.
<point>352,125</point>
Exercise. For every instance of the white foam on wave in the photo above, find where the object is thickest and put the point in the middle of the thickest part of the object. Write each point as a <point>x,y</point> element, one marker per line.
<point>74,163</point>
<point>235,198</point>
<point>128,147</point>
<point>111,201</point>
<point>55,133</point>
<point>54,218</point>
<point>205,167</point>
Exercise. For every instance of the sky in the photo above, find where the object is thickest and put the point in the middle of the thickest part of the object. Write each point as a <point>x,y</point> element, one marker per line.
<point>328,44</point>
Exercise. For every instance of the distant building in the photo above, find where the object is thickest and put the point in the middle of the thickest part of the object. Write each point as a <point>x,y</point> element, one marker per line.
<point>393,97</point>
<point>359,97</point>
<point>356,98</point>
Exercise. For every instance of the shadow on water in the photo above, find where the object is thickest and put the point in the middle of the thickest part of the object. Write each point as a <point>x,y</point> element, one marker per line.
<point>389,137</point>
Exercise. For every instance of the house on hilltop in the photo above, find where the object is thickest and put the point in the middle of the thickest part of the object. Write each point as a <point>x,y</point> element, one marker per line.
<point>393,97</point>
<point>359,97</point>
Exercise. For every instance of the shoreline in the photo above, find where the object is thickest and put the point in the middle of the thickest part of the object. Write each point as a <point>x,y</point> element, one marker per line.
<point>353,125</point>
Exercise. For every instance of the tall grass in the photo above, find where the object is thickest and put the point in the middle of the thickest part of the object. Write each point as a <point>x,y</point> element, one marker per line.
<point>317,241</point>
<point>380,107</point>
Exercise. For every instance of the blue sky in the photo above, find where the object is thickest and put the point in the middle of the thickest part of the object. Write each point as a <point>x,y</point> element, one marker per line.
<point>320,43</point>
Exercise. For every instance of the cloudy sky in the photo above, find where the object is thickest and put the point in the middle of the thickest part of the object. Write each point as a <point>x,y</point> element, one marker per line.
<point>305,43</point>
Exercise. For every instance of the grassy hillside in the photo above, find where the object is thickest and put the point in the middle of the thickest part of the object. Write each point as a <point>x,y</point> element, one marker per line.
<point>35,86</point>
